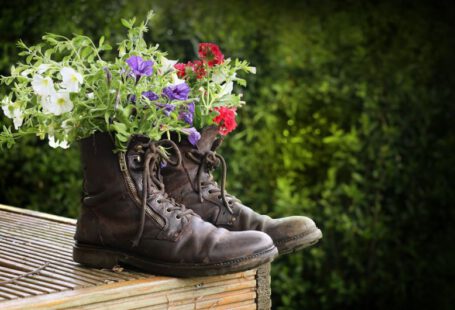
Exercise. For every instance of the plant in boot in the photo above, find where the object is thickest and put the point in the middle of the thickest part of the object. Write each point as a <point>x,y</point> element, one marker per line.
<point>212,78</point>
<point>65,91</point>
<point>119,110</point>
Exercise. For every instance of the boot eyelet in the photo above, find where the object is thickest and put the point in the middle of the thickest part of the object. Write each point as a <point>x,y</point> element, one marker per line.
<point>210,191</point>
<point>230,202</point>
<point>178,217</point>
<point>219,196</point>
<point>158,200</point>
<point>168,210</point>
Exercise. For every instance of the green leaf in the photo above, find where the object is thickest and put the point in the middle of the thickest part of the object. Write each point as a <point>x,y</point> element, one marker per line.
<point>86,51</point>
<point>126,23</point>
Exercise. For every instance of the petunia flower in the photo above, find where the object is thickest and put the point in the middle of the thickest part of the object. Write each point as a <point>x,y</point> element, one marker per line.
<point>150,95</point>
<point>193,135</point>
<point>167,108</point>
<point>176,80</point>
<point>58,103</point>
<point>43,68</point>
<point>56,144</point>
<point>167,65</point>
<point>140,67</point>
<point>43,86</point>
<point>71,79</point>
<point>226,89</point>
<point>13,111</point>
<point>177,92</point>
<point>187,114</point>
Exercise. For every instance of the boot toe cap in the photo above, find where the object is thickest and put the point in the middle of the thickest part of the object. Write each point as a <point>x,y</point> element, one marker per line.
<point>293,228</point>
<point>244,244</point>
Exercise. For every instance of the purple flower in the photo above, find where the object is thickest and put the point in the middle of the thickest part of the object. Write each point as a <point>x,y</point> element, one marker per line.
<point>188,114</point>
<point>193,135</point>
<point>150,95</point>
<point>140,67</point>
<point>177,92</point>
<point>167,108</point>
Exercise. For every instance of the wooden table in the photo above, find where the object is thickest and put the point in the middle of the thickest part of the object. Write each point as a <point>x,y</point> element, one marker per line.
<point>37,272</point>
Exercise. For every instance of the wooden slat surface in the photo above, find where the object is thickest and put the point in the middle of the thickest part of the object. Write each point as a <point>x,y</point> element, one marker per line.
<point>30,240</point>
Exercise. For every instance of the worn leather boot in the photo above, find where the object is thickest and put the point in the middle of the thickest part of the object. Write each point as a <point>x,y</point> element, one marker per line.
<point>127,218</point>
<point>192,184</point>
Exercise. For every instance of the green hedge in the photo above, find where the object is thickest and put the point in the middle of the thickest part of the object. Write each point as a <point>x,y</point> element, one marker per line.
<point>350,121</point>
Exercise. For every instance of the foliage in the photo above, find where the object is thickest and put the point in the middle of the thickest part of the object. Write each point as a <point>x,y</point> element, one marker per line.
<point>350,121</point>
<point>130,95</point>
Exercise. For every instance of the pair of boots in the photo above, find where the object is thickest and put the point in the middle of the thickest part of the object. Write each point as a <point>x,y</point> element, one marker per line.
<point>166,215</point>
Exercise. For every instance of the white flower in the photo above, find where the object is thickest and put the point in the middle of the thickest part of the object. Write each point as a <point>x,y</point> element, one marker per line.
<point>58,103</point>
<point>219,77</point>
<point>42,68</point>
<point>252,69</point>
<point>18,118</point>
<point>71,79</point>
<point>176,80</point>
<point>13,110</point>
<point>46,104</point>
<point>7,105</point>
<point>25,73</point>
<point>167,65</point>
<point>55,143</point>
<point>91,96</point>
<point>226,89</point>
<point>43,86</point>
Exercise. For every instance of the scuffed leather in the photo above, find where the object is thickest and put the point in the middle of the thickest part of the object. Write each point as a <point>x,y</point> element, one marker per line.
<point>180,183</point>
<point>110,216</point>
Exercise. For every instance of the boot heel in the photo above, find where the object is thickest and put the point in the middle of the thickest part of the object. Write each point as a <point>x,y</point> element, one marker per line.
<point>95,257</point>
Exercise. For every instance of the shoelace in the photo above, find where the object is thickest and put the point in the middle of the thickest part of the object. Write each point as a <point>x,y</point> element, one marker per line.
<point>153,157</point>
<point>210,160</point>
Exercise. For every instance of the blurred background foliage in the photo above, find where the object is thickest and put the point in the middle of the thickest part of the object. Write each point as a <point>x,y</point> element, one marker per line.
<point>350,120</point>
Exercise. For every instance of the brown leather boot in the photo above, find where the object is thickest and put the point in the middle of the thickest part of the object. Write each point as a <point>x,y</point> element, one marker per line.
<point>127,218</point>
<point>192,184</point>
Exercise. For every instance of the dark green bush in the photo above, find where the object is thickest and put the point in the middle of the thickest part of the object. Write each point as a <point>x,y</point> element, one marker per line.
<point>350,121</point>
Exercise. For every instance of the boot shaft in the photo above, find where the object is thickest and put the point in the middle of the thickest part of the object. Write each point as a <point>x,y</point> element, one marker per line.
<point>101,169</point>
<point>183,178</point>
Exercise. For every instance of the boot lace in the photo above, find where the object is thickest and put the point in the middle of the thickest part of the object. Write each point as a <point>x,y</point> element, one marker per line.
<point>209,161</point>
<point>154,156</point>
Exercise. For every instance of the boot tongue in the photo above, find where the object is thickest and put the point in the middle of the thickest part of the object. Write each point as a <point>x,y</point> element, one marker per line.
<point>137,139</point>
<point>208,140</point>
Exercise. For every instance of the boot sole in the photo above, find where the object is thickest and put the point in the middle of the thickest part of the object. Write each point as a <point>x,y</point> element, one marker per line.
<point>298,242</point>
<point>99,257</point>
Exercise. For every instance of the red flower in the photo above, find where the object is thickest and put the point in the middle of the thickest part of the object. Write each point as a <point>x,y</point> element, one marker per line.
<point>191,69</point>
<point>180,70</point>
<point>198,68</point>
<point>225,119</point>
<point>211,54</point>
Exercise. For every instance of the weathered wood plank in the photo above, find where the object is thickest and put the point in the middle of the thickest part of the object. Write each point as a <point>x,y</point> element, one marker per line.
<point>37,214</point>
<point>29,239</point>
